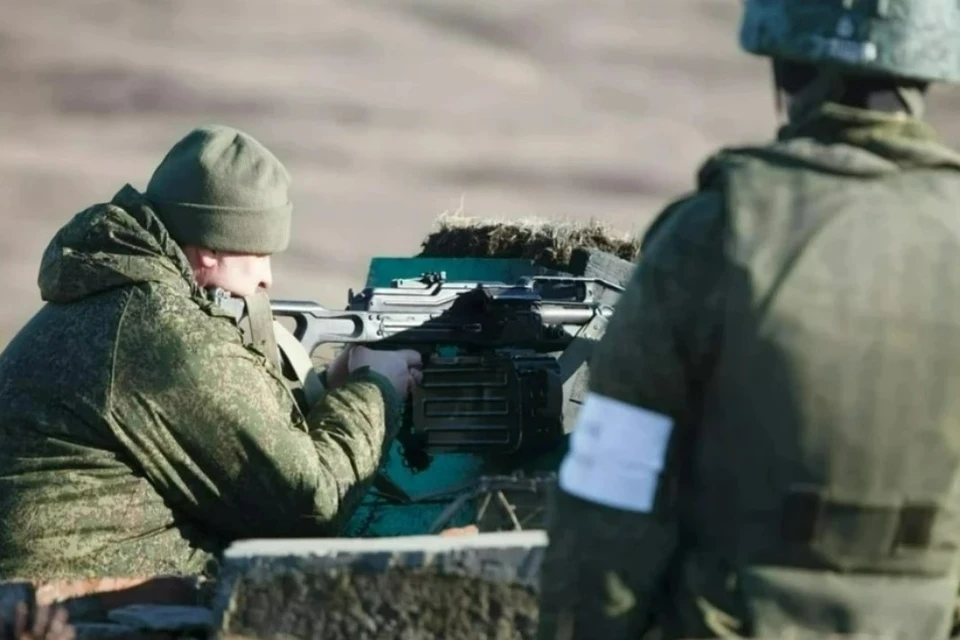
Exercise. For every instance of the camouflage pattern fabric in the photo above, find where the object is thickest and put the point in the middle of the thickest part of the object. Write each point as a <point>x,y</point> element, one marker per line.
<point>900,38</point>
<point>140,435</point>
<point>858,300</point>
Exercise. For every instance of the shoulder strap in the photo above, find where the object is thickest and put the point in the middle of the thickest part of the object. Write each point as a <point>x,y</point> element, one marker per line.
<point>281,348</point>
<point>260,319</point>
<point>294,354</point>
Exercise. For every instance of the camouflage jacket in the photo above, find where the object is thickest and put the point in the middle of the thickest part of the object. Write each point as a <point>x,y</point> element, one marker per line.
<point>139,434</point>
<point>796,317</point>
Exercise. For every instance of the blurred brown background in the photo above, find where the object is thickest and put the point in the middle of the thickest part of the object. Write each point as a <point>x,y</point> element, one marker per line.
<point>386,112</point>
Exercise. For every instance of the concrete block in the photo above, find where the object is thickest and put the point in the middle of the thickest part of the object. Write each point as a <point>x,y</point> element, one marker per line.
<point>106,631</point>
<point>417,587</point>
<point>92,599</point>
<point>171,618</point>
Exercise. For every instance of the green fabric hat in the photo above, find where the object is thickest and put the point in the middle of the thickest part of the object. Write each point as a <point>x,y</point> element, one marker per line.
<point>220,189</point>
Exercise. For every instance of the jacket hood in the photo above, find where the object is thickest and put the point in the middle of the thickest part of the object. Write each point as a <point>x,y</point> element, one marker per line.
<point>117,244</point>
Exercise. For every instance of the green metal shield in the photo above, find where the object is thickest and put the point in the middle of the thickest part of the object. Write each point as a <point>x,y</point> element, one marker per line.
<point>377,517</point>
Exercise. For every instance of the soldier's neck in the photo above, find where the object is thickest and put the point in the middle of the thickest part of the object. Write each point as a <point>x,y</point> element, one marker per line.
<point>879,96</point>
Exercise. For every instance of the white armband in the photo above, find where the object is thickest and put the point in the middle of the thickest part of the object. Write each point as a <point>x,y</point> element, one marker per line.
<point>617,452</point>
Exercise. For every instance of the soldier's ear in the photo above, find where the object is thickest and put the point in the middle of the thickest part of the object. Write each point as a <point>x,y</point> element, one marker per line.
<point>209,258</point>
<point>201,258</point>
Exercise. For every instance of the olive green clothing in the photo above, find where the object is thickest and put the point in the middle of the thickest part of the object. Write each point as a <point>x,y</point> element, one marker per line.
<point>220,189</point>
<point>140,436</point>
<point>797,318</point>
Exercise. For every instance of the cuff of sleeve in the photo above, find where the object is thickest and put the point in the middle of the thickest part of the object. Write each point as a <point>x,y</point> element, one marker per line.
<point>391,399</point>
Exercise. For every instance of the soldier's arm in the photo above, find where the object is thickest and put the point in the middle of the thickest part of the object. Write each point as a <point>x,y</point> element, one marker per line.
<point>611,526</point>
<point>219,436</point>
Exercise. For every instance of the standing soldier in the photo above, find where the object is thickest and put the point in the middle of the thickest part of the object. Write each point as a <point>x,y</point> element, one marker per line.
<point>772,439</point>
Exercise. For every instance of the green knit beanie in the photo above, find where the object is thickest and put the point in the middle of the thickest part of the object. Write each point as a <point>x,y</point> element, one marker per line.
<point>220,189</point>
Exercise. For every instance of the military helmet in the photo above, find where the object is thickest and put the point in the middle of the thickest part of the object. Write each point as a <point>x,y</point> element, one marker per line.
<point>911,39</point>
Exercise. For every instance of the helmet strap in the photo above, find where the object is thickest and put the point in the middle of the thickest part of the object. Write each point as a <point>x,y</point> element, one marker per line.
<point>809,88</point>
<point>779,102</point>
<point>913,99</point>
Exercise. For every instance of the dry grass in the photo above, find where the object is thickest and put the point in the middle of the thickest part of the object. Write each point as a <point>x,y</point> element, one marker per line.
<point>549,243</point>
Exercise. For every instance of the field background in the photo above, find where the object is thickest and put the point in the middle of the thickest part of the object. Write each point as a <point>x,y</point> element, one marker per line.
<point>386,112</point>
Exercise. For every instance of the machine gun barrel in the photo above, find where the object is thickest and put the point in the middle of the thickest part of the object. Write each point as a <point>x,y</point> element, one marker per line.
<point>315,324</point>
<point>491,382</point>
<point>569,315</point>
<point>520,322</point>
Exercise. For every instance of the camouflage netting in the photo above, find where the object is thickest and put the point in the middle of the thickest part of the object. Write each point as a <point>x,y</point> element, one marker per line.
<point>548,243</point>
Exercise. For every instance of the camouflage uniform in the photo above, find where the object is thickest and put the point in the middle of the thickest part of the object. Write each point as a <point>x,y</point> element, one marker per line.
<point>796,319</point>
<point>140,435</point>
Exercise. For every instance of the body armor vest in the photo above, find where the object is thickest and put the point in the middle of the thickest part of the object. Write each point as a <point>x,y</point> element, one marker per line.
<point>830,434</point>
<point>823,477</point>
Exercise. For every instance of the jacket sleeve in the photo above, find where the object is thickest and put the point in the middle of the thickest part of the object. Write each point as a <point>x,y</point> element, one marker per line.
<point>604,566</point>
<point>221,439</point>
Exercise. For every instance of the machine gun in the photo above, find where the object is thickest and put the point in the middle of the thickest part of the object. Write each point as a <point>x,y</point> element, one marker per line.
<point>492,383</point>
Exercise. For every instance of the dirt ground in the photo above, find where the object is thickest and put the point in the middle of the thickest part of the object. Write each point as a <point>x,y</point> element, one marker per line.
<point>386,112</point>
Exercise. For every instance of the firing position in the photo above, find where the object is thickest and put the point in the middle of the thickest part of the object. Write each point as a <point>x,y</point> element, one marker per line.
<point>139,431</point>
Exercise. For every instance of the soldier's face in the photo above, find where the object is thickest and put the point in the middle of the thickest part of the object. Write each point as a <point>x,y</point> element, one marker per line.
<point>242,274</point>
<point>239,273</point>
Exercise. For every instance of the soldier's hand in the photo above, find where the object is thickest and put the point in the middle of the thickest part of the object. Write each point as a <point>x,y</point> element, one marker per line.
<point>469,530</point>
<point>49,623</point>
<point>339,369</point>
<point>402,367</point>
